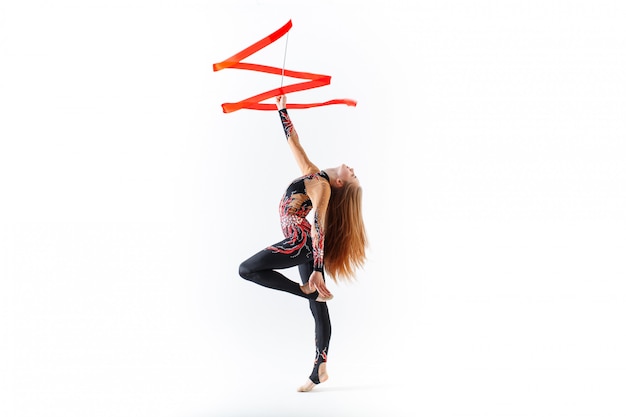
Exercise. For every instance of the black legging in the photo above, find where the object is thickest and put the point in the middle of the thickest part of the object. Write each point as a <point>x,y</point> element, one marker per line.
<point>260,268</point>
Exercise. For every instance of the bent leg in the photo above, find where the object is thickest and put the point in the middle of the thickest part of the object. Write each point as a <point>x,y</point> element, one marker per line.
<point>260,269</point>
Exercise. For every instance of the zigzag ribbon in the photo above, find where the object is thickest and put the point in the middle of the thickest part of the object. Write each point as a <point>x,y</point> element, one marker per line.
<point>254,102</point>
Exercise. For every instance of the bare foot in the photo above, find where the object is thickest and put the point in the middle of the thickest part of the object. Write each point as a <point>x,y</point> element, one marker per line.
<point>308,386</point>
<point>307,290</point>
<point>322,375</point>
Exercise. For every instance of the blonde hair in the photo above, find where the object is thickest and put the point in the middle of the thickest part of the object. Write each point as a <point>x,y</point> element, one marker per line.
<point>345,238</point>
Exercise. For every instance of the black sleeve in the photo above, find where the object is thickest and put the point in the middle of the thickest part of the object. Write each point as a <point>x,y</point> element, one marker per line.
<point>286,121</point>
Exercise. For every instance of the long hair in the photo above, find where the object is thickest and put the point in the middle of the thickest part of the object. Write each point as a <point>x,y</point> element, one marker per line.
<point>345,238</point>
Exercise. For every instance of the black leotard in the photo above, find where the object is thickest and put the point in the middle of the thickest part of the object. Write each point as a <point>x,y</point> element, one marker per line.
<point>294,207</point>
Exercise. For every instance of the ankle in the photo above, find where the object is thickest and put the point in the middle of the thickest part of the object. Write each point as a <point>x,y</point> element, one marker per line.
<point>321,372</point>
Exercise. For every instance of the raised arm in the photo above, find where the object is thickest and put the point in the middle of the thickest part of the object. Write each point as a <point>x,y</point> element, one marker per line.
<point>305,164</point>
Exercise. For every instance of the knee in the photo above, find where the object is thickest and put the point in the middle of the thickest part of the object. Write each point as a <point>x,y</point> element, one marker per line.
<point>245,271</point>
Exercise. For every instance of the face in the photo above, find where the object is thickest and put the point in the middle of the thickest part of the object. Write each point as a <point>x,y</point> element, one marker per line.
<point>346,174</point>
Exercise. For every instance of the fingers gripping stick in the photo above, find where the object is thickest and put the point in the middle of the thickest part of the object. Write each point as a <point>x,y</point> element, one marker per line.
<point>254,102</point>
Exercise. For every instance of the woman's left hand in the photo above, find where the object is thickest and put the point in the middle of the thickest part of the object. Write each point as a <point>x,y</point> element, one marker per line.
<point>316,281</point>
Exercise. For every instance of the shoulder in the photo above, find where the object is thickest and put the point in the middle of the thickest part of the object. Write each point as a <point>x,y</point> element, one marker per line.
<point>317,186</point>
<point>318,177</point>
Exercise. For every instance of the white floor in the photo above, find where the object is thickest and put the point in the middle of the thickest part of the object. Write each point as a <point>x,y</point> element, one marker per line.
<point>168,343</point>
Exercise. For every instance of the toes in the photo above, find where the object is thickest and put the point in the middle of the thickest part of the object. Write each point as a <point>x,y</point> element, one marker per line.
<point>307,387</point>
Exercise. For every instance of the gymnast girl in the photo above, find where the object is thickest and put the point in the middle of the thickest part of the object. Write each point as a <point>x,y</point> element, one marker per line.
<point>334,245</point>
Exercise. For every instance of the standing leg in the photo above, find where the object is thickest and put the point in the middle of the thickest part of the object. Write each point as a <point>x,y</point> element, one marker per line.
<point>322,333</point>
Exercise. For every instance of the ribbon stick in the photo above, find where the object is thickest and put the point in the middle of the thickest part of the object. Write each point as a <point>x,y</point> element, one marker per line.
<point>254,102</point>
<point>282,76</point>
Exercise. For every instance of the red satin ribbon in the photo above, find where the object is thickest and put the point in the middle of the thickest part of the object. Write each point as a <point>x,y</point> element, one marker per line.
<point>254,102</point>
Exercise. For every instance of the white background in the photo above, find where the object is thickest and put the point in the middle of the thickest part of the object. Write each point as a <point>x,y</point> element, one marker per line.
<point>489,139</point>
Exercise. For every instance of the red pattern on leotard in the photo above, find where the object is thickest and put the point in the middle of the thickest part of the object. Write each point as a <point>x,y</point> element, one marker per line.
<point>295,205</point>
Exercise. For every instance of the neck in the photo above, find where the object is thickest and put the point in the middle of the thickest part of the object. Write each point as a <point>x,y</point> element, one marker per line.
<point>332,175</point>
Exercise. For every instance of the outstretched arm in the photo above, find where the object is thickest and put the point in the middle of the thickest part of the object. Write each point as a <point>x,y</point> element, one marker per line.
<point>319,191</point>
<point>305,164</point>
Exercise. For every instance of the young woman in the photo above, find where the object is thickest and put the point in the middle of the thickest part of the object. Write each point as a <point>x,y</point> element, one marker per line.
<point>335,244</point>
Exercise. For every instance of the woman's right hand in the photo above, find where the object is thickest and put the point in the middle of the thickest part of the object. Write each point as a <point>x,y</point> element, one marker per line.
<point>316,282</point>
<point>281,102</point>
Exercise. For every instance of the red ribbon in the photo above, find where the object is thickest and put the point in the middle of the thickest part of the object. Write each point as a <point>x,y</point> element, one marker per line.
<point>254,102</point>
